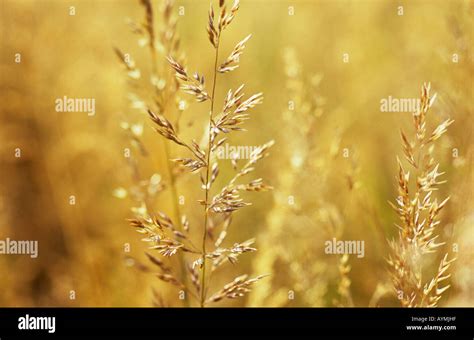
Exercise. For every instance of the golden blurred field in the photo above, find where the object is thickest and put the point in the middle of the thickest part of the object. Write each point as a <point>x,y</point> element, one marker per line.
<point>323,71</point>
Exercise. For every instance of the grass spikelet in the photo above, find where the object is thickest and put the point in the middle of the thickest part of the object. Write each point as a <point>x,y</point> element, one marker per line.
<point>418,209</point>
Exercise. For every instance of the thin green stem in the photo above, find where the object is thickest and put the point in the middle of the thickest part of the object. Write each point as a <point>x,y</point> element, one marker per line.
<point>177,214</point>
<point>172,179</point>
<point>206,202</point>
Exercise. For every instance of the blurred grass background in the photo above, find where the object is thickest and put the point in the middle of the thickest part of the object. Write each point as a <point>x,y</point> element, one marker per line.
<point>63,154</point>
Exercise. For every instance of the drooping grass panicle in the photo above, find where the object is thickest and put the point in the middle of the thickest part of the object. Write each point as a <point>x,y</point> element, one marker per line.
<point>157,32</point>
<point>218,208</point>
